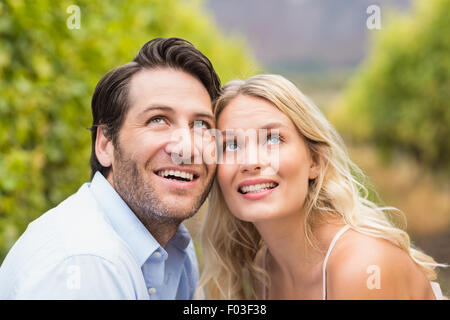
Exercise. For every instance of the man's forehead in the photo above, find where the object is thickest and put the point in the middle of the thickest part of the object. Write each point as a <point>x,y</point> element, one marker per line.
<point>166,79</point>
<point>169,88</point>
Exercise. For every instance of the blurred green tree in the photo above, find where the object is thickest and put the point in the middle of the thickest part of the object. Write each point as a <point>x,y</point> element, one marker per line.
<point>47,76</point>
<point>400,98</point>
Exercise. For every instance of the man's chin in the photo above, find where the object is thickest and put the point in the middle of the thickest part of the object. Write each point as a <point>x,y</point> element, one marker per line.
<point>179,210</point>
<point>174,216</point>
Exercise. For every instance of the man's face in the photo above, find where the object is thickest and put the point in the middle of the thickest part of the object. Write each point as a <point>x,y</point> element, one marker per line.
<point>164,106</point>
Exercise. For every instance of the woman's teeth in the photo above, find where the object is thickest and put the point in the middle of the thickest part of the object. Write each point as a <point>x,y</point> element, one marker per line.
<point>258,187</point>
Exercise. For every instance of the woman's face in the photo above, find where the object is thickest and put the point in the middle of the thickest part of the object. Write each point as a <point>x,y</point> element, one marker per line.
<point>256,187</point>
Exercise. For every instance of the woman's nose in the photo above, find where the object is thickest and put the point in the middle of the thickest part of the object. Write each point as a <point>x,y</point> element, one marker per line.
<point>250,168</point>
<point>255,159</point>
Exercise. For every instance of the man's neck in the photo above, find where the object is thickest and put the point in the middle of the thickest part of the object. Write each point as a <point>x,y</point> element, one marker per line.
<point>162,231</point>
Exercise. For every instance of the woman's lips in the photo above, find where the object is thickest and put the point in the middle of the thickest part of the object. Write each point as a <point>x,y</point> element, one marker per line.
<point>255,189</point>
<point>258,195</point>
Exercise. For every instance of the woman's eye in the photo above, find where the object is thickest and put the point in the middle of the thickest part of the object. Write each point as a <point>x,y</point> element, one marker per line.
<point>231,146</point>
<point>201,124</point>
<point>273,139</point>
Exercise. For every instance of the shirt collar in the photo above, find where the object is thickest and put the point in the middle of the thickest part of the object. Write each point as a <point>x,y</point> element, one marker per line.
<point>181,238</point>
<point>127,225</point>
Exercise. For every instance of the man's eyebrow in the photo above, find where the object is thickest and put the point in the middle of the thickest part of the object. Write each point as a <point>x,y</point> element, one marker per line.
<point>205,115</point>
<point>159,107</point>
<point>270,125</point>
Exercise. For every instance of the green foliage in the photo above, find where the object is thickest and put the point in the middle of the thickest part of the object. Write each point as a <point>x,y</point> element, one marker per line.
<point>48,73</point>
<point>400,98</point>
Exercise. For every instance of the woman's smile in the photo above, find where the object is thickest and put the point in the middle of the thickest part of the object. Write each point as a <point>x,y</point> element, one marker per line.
<point>256,189</point>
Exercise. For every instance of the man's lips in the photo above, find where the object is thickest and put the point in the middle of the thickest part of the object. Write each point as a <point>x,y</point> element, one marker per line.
<point>179,173</point>
<point>177,177</point>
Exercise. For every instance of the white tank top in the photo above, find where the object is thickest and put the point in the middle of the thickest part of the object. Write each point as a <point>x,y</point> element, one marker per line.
<point>434,285</point>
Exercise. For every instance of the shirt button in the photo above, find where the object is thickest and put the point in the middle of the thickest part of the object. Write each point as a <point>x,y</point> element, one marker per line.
<point>157,254</point>
<point>152,290</point>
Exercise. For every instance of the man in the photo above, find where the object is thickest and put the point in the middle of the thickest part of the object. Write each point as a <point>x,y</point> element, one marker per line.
<point>120,236</point>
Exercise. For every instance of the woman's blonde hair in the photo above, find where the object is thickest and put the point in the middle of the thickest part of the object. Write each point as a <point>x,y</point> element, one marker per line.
<point>229,245</point>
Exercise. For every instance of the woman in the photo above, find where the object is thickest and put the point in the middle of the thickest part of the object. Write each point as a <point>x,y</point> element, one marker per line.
<point>294,223</point>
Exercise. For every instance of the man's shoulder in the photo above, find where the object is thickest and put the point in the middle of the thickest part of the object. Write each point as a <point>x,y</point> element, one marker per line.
<point>84,227</point>
<point>76,226</point>
<point>73,234</point>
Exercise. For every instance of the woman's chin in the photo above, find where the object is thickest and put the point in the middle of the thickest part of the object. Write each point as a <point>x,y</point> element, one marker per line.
<point>255,216</point>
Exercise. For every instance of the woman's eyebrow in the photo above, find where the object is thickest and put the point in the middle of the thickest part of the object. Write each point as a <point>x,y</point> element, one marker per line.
<point>270,125</point>
<point>273,125</point>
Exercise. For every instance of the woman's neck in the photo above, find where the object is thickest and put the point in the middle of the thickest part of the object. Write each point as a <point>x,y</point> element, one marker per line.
<point>290,253</point>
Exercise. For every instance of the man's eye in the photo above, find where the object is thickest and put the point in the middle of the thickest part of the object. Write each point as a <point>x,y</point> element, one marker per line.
<point>231,146</point>
<point>201,124</point>
<point>273,139</point>
<point>157,120</point>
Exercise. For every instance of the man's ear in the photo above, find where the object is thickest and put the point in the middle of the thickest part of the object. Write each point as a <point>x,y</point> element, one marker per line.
<point>104,149</point>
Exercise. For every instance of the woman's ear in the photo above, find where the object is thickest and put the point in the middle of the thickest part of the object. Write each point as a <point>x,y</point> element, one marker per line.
<point>315,167</point>
<point>104,149</point>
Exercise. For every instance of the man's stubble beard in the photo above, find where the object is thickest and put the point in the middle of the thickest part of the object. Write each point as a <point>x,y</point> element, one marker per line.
<point>142,197</point>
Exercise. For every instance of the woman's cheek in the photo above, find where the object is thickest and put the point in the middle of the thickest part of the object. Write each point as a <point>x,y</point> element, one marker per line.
<point>294,172</point>
<point>225,176</point>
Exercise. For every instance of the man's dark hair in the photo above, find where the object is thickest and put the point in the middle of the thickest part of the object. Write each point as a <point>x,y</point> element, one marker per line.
<point>110,100</point>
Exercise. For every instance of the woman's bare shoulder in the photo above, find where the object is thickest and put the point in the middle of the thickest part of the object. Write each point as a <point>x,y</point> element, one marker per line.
<point>367,267</point>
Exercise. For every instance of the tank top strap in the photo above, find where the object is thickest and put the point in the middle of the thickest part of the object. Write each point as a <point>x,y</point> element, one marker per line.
<point>437,291</point>
<point>324,266</point>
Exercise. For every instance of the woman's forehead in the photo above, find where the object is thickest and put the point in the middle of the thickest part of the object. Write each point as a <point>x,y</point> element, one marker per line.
<point>246,111</point>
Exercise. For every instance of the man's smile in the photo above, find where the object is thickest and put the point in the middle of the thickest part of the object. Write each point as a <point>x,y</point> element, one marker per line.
<point>179,178</point>
<point>177,173</point>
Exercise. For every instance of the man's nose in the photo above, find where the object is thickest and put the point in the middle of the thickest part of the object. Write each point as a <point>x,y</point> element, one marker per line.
<point>182,147</point>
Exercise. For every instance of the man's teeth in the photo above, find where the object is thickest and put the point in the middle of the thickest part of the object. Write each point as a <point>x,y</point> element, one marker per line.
<point>258,187</point>
<point>176,173</point>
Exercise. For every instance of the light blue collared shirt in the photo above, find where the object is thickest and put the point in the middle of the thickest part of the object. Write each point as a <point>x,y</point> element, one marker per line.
<point>92,246</point>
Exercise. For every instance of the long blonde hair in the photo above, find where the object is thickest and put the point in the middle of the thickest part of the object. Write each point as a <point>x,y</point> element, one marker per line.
<point>229,245</point>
